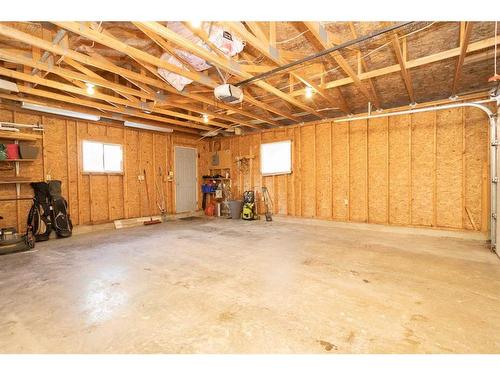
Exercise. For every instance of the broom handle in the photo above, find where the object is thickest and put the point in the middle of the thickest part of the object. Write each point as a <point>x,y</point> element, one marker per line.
<point>147,195</point>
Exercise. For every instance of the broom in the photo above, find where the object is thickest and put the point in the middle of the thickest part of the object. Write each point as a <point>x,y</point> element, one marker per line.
<point>150,221</point>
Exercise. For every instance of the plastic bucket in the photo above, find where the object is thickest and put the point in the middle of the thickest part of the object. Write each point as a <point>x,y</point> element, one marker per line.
<point>12,151</point>
<point>235,209</point>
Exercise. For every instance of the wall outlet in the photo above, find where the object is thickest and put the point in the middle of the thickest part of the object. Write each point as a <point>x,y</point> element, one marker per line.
<point>47,177</point>
<point>140,177</point>
<point>346,202</point>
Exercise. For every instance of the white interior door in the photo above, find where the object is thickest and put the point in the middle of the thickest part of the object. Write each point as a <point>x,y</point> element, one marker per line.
<point>186,186</point>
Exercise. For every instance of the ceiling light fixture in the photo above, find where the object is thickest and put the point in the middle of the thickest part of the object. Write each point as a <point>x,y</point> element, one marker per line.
<point>138,125</point>
<point>195,24</point>
<point>8,86</point>
<point>59,111</point>
<point>309,92</point>
<point>205,118</point>
<point>90,88</point>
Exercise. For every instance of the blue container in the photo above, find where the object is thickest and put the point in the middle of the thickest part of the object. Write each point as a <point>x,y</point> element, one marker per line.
<point>207,188</point>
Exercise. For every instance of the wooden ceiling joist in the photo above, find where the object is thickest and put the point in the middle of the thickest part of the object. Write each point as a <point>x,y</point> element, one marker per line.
<point>114,43</point>
<point>365,68</point>
<point>123,64</point>
<point>410,64</point>
<point>70,101</point>
<point>75,90</point>
<point>228,65</point>
<point>186,93</point>
<point>98,63</point>
<point>314,28</point>
<point>98,81</point>
<point>249,98</point>
<point>464,44</point>
<point>404,71</point>
<point>260,43</point>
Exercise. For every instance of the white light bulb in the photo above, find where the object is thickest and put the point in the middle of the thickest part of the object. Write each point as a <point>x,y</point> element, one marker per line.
<point>205,118</point>
<point>309,92</point>
<point>90,88</point>
<point>195,24</point>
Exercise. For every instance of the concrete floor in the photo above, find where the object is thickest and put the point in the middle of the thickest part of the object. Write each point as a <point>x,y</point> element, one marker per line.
<point>224,286</point>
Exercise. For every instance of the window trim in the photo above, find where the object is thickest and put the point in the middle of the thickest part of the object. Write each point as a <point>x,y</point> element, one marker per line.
<point>103,172</point>
<point>291,159</point>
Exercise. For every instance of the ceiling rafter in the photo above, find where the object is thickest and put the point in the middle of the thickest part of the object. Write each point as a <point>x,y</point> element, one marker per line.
<point>325,40</point>
<point>116,44</point>
<point>76,65</point>
<point>275,57</point>
<point>228,65</point>
<point>421,61</point>
<point>162,44</point>
<point>404,71</point>
<point>148,67</point>
<point>365,66</point>
<point>98,63</point>
<point>233,109</point>
<point>75,90</point>
<point>464,44</point>
<point>249,98</point>
<point>105,39</point>
<point>117,114</point>
<point>135,82</point>
<point>262,45</point>
<point>326,65</point>
<point>99,81</point>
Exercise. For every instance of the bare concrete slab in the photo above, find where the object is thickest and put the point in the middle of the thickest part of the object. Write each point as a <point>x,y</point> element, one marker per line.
<point>227,286</point>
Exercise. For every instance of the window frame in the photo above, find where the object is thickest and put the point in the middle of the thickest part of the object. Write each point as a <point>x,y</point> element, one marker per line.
<point>103,171</point>
<point>280,173</point>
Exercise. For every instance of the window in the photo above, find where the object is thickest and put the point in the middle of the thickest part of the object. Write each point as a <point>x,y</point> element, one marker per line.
<point>276,158</point>
<point>102,157</point>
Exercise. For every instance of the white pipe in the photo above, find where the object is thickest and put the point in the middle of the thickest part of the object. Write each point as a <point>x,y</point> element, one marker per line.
<point>493,146</point>
<point>426,109</point>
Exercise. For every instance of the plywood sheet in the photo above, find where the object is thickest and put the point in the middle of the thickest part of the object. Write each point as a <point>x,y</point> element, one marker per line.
<point>290,193</point>
<point>423,159</point>
<point>377,170</point>
<point>399,170</point>
<point>340,171</point>
<point>476,161</point>
<point>55,151</point>
<point>449,168</point>
<point>99,198</point>
<point>358,171</point>
<point>133,171</point>
<point>323,170</point>
<point>73,171</point>
<point>115,197</point>
<point>307,162</point>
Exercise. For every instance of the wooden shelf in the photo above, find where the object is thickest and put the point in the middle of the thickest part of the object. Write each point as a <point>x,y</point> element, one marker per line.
<point>216,178</point>
<point>16,160</point>
<point>15,180</point>
<point>20,198</point>
<point>18,136</point>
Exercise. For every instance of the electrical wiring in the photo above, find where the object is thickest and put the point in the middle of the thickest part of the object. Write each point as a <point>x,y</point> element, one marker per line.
<point>292,38</point>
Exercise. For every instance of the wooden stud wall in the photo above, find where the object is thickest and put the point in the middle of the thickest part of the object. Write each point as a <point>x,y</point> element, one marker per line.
<point>93,198</point>
<point>425,169</point>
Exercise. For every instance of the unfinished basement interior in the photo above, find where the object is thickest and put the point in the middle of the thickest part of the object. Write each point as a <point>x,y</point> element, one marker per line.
<point>249,187</point>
